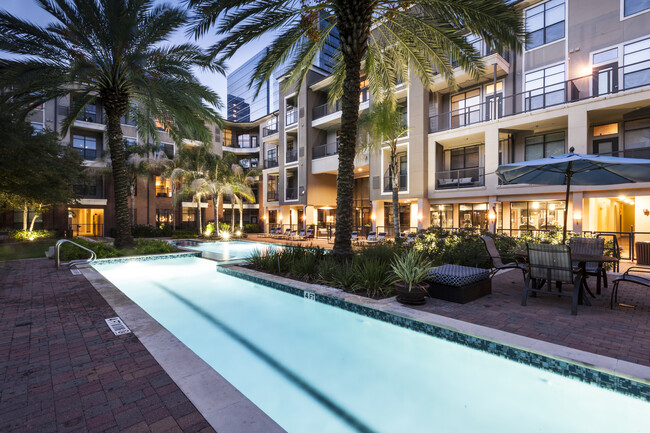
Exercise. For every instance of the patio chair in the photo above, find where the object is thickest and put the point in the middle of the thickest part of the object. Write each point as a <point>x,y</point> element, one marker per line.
<point>371,238</point>
<point>309,234</point>
<point>497,261</point>
<point>551,263</point>
<point>300,236</point>
<point>381,237</point>
<point>591,246</point>
<point>627,276</point>
<point>354,237</point>
<point>286,234</point>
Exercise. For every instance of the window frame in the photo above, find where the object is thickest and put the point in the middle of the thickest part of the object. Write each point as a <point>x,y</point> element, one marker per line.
<point>544,143</point>
<point>624,17</point>
<point>564,2</point>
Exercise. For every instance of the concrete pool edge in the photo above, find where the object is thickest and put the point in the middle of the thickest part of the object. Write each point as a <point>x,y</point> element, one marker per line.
<point>223,406</point>
<point>606,372</point>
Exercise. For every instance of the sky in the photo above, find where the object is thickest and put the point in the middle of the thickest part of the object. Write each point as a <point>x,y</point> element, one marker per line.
<point>31,11</point>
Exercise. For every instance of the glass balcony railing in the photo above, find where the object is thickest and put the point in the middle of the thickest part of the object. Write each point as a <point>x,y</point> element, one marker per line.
<point>403,182</point>
<point>323,150</point>
<point>269,130</point>
<point>291,194</point>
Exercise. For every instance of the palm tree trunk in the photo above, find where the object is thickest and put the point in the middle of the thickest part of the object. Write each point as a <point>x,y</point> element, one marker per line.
<point>132,190</point>
<point>353,23</point>
<point>232,214</point>
<point>115,106</point>
<point>198,216</point>
<point>395,169</point>
<point>173,207</point>
<point>216,220</point>
<point>241,214</point>
<point>215,216</point>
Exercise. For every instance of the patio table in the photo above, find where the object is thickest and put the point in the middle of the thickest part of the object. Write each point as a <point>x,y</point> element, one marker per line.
<point>582,260</point>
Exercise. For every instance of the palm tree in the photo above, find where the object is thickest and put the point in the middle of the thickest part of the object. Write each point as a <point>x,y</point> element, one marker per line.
<point>383,39</point>
<point>240,187</point>
<point>216,183</point>
<point>114,50</point>
<point>384,125</point>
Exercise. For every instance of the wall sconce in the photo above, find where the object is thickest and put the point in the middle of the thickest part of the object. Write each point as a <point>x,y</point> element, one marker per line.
<point>304,217</point>
<point>646,212</point>
<point>535,205</point>
<point>279,217</point>
<point>373,216</point>
<point>577,216</point>
<point>420,217</point>
<point>492,215</point>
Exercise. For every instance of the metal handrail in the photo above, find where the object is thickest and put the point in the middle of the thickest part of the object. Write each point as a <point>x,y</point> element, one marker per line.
<point>72,263</point>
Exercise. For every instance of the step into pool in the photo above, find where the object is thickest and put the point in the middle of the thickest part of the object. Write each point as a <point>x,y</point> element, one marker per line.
<point>317,368</point>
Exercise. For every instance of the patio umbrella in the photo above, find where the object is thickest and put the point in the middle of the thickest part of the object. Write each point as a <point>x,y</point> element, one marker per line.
<point>577,169</point>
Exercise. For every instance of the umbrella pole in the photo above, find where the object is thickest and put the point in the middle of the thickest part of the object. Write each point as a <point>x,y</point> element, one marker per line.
<point>568,175</point>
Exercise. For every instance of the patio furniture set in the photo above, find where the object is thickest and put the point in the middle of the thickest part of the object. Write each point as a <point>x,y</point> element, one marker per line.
<point>291,235</point>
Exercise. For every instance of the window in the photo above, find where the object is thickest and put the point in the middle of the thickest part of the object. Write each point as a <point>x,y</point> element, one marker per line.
<point>163,187</point>
<point>609,129</point>
<point>544,146</point>
<point>466,108</point>
<point>636,62</point>
<point>442,215</point>
<point>38,128</point>
<point>637,138</point>
<point>227,137</point>
<point>473,215</point>
<point>89,187</point>
<point>544,88</point>
<point>545,23</point>
<point>85,145</point>
<point>536,215</point>
<point>272,188</point>
<point>466,157</point>
<point>89,114</point>
<point>164,216</point>
<point>605,56</point>
<point>631,7</point>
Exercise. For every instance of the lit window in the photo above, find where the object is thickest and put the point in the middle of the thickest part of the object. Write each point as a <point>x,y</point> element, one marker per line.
<point>631,7</point>
<point>163,187</point>
<point>609,129</point>
<point>545,23</point>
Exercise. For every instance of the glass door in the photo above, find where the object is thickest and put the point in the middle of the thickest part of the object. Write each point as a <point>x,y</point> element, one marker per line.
<point>605,79</point>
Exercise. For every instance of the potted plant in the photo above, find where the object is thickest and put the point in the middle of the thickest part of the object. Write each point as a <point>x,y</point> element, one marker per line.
<point>411,270</point>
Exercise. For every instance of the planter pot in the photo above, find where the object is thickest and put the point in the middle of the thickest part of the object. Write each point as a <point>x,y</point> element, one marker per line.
<point>413,297</point>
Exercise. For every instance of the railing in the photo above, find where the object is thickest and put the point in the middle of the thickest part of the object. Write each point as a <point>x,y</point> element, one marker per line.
<point>325,109</point>
<point>84,116</point>
<point>292,155</point>
<point>403,182</point>
<point>642,152</point>
<point>266,131</point>
<point>292,116</point>
<point>270,163</point>
<point>291,194</point>
<point>323,150</point>
<point>576,89</point>
<point>271,196</point>
<point>390,230</point>
<point>242,142</point>
<point>72,263</point>
<point>92,230</point>
<point>464,178</point>
<point>89,154</point>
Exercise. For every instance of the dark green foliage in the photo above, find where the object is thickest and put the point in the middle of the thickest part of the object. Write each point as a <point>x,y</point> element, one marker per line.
<point>252,228</point>
<point>147,231</point>
<point>103,251</point>
<point>183,234</point>
<point>373,278</point>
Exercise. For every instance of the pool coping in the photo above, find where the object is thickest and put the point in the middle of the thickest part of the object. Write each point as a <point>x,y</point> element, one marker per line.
<point>223,406</point>
<point>618,375</point>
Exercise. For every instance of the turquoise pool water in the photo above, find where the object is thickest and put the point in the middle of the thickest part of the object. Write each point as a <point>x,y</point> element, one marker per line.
<point>232,250</point>
<point>315,368</point>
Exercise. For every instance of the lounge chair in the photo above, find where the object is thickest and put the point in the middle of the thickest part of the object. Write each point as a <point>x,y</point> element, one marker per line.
<point>354,237</point>
<point>548,263</point>
<point>627,276</point>
<point>497,261</point>
<point>591,246</point>
<point>309,234</point>
<point>371,238</point>
<point>286,234</point>
<point>271,233</point>
<point>381,237</point>
<point>300,236</point>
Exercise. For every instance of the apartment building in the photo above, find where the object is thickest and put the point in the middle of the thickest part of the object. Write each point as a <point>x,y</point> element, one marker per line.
<point>93,214</point>
<point>582,81</point>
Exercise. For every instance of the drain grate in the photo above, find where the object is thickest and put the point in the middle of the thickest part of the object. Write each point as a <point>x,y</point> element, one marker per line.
<point>117,326</point>
<point>75,271</point>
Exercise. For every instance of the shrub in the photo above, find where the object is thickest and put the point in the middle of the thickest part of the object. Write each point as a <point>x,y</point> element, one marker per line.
<point>182,234</point>
<point>144,231</point>
<point>224,227</point>
<point>103,251</point>
<point>150,246</point>
<point>252,228</point>
<point>345,277</point>
<point>411,268</point>
<point>373,277</point>
<point>26,235</point>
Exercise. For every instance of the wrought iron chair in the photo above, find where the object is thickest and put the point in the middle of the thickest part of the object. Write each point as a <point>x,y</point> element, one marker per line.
<point>591,246</point>
<point>551,263</point>
<point>636,279</point>
<point>497,261</point>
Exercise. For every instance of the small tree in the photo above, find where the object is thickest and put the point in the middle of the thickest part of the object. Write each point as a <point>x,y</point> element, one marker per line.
<point>37,172</point>
<point>383,125</point>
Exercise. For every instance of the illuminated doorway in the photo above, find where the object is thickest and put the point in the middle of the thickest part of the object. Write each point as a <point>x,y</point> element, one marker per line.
<point>86,222</point>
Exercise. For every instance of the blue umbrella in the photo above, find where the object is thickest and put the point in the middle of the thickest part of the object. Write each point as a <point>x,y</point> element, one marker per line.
<point>577,169</point>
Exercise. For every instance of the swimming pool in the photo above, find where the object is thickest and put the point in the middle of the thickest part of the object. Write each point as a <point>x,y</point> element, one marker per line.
<point>230,250</point>
<point>317,368</point>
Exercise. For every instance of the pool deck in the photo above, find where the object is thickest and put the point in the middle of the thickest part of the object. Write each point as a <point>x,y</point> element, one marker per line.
<point>63,370</point>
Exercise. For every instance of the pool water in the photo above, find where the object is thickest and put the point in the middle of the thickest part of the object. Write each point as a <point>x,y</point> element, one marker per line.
<point>232,250</point>
<point>316,368</point>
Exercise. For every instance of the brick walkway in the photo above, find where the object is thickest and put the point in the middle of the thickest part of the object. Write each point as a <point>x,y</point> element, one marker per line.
<point>63,370</point>
<point>622,333</point>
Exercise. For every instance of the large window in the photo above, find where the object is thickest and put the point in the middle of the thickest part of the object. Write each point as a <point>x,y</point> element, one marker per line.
<point>272,188</point>
<point>442,215</point>
<point>85,145</point>
<point>544,88</point>
<point>637,138</point>
<point>543,146</point>
<point>545,23</point>
<point>473,215</point>
<point>636,61</point>
<point>631,7</point>
<point>536,215</point>
<point>466,108</point>
<point>163,187</point>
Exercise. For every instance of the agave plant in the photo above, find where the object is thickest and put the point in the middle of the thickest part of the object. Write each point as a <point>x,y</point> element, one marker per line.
<point>411,268</point>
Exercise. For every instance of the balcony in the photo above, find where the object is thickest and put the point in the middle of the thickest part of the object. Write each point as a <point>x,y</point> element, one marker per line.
<point>327,109</point>
<point>403,182</point>
<point>271,163</point>
<point>464,178</point>
<point>292,155</point>
<point>268,130</point>
<point>272,195</point>
<point>292,116</point>
<point>291,194</point>
<point>323,150</point>
<point>86,119</point>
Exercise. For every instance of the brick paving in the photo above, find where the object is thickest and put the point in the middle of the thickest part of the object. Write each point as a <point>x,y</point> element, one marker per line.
<point>63,370</point>
<point>622,333</point>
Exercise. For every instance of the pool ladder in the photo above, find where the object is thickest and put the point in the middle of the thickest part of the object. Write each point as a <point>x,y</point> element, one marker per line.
<point>72,263</point>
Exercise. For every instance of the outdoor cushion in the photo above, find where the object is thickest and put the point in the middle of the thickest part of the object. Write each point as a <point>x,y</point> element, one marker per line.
<point>465,180</point>
<point>457,276</point>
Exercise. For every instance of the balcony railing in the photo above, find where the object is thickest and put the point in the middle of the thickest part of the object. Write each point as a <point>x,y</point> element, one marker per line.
<point>84,116</point>
<point>269,130</point>
<point>272,195</point>
<point>89,154</point>
<point>292,116</point>
<point>403,182</point>
<point>325,109</point>
<point>242,142</point>
<point>323,150</point>
<point>603,82</point>
<point>270,163</point>
<point>291,194</point>
<point>465,178</point>
<point>292,155</point>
